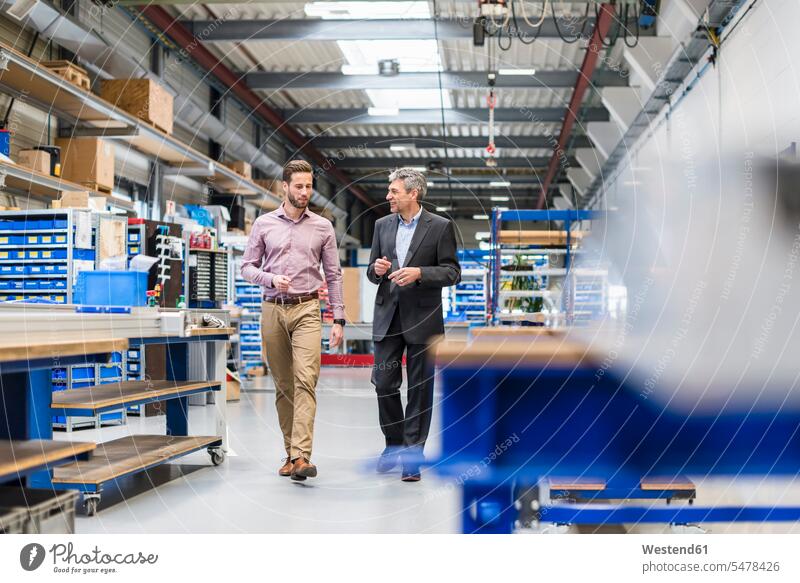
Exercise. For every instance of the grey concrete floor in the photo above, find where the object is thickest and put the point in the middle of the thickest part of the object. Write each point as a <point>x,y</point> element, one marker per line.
<point>245,494</point>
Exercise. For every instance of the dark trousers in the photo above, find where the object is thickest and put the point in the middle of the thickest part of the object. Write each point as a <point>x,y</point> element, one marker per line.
<point>409,429</point>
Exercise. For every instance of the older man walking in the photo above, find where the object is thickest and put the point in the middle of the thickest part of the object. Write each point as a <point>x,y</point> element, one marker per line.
<point>413,257</point>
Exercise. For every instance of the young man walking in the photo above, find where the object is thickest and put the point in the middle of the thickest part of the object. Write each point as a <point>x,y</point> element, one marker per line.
<point>283,256</point>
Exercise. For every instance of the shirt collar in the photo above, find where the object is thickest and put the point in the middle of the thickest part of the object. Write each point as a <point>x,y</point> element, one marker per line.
<point>282,213</point>
<point>413,220</point>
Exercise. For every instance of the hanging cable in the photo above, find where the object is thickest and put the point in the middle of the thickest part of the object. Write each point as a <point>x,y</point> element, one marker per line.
<point>520,34</point>
<point>525,14</point>
<point>615,25</point>
<point>637,15</point>
<point>558,28</point>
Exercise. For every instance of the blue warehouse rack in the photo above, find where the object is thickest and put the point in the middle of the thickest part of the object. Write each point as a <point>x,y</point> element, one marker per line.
<point>41,254</point>
<point>248,297</point>
<point>467,301</point>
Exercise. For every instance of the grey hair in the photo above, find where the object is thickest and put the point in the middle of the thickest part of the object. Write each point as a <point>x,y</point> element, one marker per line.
<point>412,179</point>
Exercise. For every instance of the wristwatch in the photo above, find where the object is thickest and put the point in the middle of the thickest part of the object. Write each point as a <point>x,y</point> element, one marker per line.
<point>340,321</point>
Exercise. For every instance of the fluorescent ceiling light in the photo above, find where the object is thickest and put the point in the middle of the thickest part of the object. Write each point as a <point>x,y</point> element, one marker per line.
<point>367,10</point>
<point>377,111</point>
<point>503,208</point>
<point>500,183</point>
<point>401,147</point>
<point>443,209</point>
<point>482,235</point>
<point>412,55</point>
<point>418,168</point>
<point>480,217</point>
<point>360,69</point>
<point>431,184</point>
<point>528,72</point>
<point>499,198</point>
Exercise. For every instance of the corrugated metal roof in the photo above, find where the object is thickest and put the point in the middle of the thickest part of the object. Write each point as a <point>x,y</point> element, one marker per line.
<point>457,55</point>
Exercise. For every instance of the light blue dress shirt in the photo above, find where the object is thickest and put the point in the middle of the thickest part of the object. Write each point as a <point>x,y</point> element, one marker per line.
<point>404,234</point>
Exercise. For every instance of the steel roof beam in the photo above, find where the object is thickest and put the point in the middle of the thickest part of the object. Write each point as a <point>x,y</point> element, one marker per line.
<point>360,115</point>
<point>335,30</point>
<point>432,142</point>
<point>356,163</point>
<point>450,80</point>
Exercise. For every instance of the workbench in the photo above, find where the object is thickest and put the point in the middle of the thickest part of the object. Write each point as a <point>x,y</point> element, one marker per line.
<point>539,423</point>
<point>28,401</point>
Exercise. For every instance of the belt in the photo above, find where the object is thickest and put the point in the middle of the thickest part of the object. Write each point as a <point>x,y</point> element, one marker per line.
<point>292,300</point>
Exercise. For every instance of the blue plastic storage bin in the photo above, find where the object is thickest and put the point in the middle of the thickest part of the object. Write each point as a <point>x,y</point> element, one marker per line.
<point>111,288</point>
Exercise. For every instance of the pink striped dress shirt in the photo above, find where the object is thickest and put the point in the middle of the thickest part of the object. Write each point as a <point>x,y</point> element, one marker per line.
<point>280,246</point>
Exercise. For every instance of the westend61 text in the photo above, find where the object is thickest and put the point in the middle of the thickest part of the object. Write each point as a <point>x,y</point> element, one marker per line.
<point>675,550</point>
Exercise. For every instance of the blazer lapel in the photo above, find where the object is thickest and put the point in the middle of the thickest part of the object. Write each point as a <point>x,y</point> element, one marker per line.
<point>391,234</point>
<point>419,234</point>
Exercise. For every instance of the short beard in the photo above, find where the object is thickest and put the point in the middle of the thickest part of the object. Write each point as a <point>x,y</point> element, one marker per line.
<point>293,201</point>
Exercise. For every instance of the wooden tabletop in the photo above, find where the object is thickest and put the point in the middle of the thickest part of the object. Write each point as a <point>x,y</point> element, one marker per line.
<point>211,331</point>
<point>585,484</point>
<point>121,393</point>
<point>20,456</point>
<point>128,454</point>
<point>667,483</point>
<point>542,238</point>
<point>23,347</point>
<point>516,331</point>
<point>545,350</point>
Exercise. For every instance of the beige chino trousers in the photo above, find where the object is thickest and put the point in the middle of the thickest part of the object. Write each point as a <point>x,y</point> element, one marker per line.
<point>292,337</point>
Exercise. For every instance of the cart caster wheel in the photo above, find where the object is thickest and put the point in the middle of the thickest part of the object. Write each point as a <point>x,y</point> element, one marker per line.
<point>90,505</point>
<point>217,456</point>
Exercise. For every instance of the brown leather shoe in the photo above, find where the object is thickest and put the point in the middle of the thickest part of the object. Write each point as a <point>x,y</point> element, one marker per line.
<point>303,469</point>
<point>286,468</point>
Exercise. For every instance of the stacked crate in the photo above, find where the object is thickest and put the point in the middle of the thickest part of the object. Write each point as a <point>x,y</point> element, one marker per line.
<point>37,256</point>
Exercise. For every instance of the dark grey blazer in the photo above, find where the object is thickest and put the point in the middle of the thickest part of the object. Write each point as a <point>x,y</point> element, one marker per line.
<point>433,250</point>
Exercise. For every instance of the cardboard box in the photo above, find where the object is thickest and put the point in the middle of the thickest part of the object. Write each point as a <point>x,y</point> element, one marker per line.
<point>274,185</point>
<point>88,161</point>
<point>80,200</point>
<point>256,371</point>
<point>241,167</point>
<point>233,386</point>
<point>143,98</point>
<point>36,160</point>
<point>351,283</point>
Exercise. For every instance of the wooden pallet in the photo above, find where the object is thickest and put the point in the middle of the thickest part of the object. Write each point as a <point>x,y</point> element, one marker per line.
<point>102,189</point>
<point>70,72</point>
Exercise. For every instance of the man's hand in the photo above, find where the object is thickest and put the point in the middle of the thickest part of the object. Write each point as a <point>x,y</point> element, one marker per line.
<point>281,283</point>
<point>337,335</point>
<point>406,276</point>
<point>382,265</point>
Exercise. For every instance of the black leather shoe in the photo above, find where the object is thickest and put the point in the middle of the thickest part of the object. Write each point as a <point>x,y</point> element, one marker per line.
<point>388,460</point>
<point>411,474</point>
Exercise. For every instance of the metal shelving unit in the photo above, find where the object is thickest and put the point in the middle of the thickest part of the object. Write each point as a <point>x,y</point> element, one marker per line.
<point>541,273</point>
<point>92,115</point>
